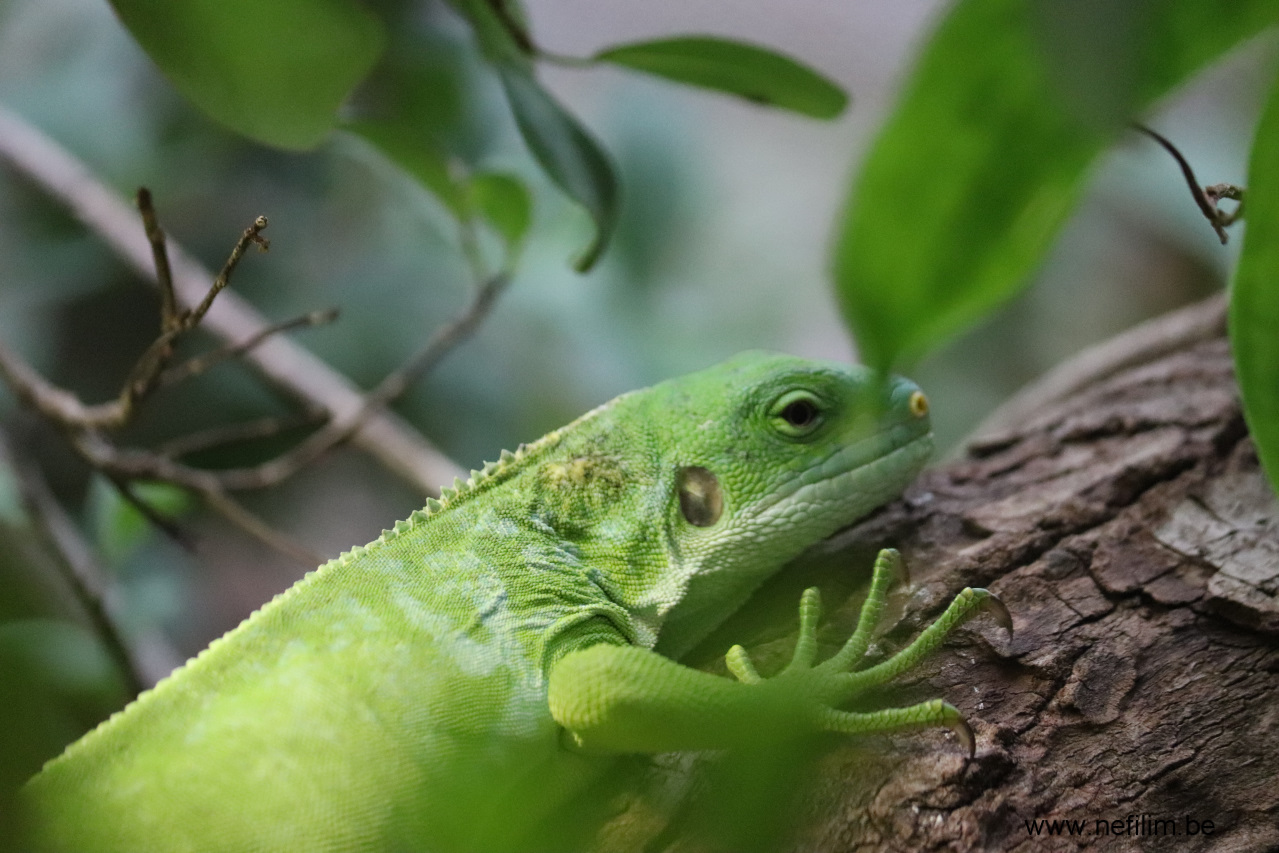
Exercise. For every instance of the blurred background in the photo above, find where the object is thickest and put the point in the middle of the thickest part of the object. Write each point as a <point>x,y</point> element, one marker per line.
<point>723,245</point>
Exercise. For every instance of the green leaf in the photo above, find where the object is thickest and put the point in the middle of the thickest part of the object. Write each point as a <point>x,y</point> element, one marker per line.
<point>414,151</point>
<point>569,155</point>
<point>745,70</point>
<point>274,71</point>
<point>505,203</point>
<point>983,160</point>
<point>500,29</point>
<point>1254,298</point>
<point>1092,50</point>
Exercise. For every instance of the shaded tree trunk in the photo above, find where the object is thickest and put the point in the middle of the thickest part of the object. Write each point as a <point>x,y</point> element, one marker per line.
<point>1128,528</point>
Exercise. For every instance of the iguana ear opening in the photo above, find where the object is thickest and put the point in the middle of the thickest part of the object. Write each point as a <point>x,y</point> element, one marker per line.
<point>700,497</point>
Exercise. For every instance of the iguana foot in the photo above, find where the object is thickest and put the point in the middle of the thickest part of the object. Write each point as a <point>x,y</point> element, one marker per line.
<point>838,685</point>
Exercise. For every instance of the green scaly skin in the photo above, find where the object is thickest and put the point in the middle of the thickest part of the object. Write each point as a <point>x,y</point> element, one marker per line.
<point>465,681</point>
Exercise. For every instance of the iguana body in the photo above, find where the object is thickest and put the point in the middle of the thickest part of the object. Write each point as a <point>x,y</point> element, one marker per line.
<point>397,697</point>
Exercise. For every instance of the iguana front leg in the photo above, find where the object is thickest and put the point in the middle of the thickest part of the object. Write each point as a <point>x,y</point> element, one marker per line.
<point>627,699</point>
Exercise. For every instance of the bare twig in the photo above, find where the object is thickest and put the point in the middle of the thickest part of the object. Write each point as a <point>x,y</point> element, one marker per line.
<point>1205,197</point>
<point>131,465</point>
<point>84,425</point>
<point>252,234</point>
<point>147,370</point>
<point>339,430</point>
<point>280,361</point>
<point>440,343</point>
<point>1216,192</point>
<point>201,363</point>
<point>260,530</point>
<point>220,436</point>
<point>159,520</point>
<point>83,575</point>
<point>160,257</point>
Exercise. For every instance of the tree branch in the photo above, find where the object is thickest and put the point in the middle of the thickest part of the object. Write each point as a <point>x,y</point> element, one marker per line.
<point>84,576</point>
<point>280,361</point>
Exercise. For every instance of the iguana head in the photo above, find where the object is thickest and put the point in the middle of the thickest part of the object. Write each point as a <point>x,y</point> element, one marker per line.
<point>755,459</point>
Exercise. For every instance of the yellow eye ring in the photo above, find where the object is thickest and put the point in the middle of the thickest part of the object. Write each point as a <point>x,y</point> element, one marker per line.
<point>918,404</point>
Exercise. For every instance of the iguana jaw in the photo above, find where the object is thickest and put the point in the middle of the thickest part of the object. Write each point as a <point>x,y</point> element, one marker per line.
<point>853,479</point>
<point>694,599</point>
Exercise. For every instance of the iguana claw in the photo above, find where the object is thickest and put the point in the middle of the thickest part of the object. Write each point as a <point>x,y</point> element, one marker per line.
<point>998,612</point>
<point>964,732</point>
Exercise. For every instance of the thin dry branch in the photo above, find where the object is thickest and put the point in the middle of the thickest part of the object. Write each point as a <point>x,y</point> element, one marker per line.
<point>159,520</point>
<point>202,363</point>
<point>41,159</point>
<point>1206,198</point>
<point>283,363</point>
<point>84,425</point>
<point>160,259</point>
<point>84,577</point>
<point>287,464</point>
<point>225,434</point>
<point>130,465</point>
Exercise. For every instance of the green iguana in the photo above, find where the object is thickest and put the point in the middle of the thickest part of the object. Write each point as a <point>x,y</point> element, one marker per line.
<point>467,679</point>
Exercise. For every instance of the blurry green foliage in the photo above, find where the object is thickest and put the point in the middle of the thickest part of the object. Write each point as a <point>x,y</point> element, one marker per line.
<point>1254,299</point>
<point>1010,105</point>
<point>569,155</point>
<point>119,527</point>
<point>982,161</point>
<point>56,683</point>
<point>753,73</point>
<point>276,72</point>
<point>56,679</point>
<point>504,202</point>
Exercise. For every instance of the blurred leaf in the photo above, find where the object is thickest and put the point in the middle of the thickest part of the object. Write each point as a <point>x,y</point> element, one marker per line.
<point>413,151</point>
<point>568,153</point>
<point>56,683</point>
<point>1254,299</point>
<point>505,203</point>
<point>11,504</point>
<point>745,70</point>
<point>981,163</point>
<point>118,527</point>
<point>276,71</point>
<point>500,28</point>
<point>1092,50</point>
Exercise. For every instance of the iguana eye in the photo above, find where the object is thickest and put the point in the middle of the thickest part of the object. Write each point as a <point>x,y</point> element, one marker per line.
<point>800,413</point>
<point>797,414</point>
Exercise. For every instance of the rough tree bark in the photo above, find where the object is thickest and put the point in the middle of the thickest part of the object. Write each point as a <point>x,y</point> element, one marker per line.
<point>1129,530</point>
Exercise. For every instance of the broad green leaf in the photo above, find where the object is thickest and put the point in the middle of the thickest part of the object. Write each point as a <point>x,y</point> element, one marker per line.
<point>1254,299</point>
<point>274,71</point>
<point>1092,50</point>
<point>505,203</point>
<point>569,155</point>
<point>982,161</point>
<point>413,151</point>
<point>745,70</point>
